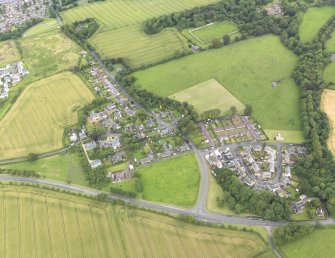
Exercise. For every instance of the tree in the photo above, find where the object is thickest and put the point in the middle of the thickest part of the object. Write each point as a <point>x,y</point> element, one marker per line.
<point>233,110</point>
<point>226,39</point>
<point>216,43</point>
<point>32,157</point>
<point>248,110</point>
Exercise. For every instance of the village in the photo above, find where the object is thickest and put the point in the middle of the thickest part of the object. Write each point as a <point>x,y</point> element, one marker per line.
<point>10,75</point>
<point>17,12</point>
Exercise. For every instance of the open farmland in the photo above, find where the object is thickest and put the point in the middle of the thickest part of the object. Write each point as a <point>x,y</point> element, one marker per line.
<point>45,26</point>
<point>8,52</point>
<point>329,74</point>
<point>213,31</point>
<point>313,20</point>
<point>175,180</point>
<point>36,121</point>
<point>247,69</point>
<point>137,47</point>
<point>209,95</point>
<point>120,34</point>
<point>48,53</point>
<point>320,243</point>
<point>328,106</point>
<point>36,223</point>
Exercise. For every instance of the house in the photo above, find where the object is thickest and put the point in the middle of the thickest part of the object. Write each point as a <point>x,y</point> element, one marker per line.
<point>95,163</point>
<point>320,212</point>
<point>90,145</point>
<point>278,137</point>
<point>73,137</point>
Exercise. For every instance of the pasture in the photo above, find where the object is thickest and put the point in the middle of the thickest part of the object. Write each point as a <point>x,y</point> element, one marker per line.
<point>121,33</point>
<point>328,106</point>
<point>36,121</point>
<point>330,44</point>
<point>39,223</point>
<point>63,167</point>
<point>214,31</point>
<point>175,180</point>
<point>246,69</point>
<point>49,53</point>
<point>8,52</point>
<point>139,48</point>
<point>313,20</point>
<point>329,73</point>
<point>44,26</point>
<point>209,95</point>
<point>320,243</point>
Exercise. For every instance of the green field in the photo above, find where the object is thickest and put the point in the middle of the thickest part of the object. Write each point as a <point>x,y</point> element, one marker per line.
<point>45,26</point>
<point>246,69</point>
<point>48,53</point>
<point>36,121</point>
<point>121,34</point>
<point>289,136</point>
<point>8,52</point>
<point>209,95</point>
<point>175,180</point>
<point>329,73</point>
<point>313,20</point>
<point>214,31</point>
<point>37,223</point>
<point>137,47</point>
<point>62,167</point>
<point>330,44</point>
<point>318,244</point>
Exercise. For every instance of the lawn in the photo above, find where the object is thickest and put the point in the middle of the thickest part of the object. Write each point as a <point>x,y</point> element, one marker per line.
<point>209,95</point>
<point>175,180</point>
<point>62,167</point>
<point>214,31</point>
<point>313,20</point>
<point>8,52</point>
<point>37,120</point>
<point>49,53</point>
<point>44,26</point>
<point>121,34</point>
<point>40,223</point>
<point>289,136</point>
<point>328,106</point>
<point>318,244</point>
<point>246,69</point>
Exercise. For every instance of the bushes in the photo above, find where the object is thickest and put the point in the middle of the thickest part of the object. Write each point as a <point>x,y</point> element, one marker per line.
<point>291,232</point>
<point>123,192</point>
<point>16,172</point>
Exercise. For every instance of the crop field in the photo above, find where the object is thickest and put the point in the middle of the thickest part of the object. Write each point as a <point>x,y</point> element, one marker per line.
<point>137,47</point>
<point>313,20</point>
<point>63,167</point>
<point>121,33</point>
<point>328,106</point>
<point>318,244</point>
<point>36,121</point>
<point>213,31</point>
<point>246,69</point>
<point>209,95</point>
<point>44,26</point>
<point>37,223</point>
<point>175,180</point>
<point>8,52</point>
<point>48,53</point>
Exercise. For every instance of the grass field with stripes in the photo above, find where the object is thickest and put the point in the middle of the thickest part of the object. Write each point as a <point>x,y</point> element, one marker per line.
<point>121,35</point>
<point>37,120</point>
<point>39,223</point>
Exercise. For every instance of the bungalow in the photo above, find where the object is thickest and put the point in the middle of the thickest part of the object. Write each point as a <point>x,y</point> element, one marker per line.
<point>95,163</point>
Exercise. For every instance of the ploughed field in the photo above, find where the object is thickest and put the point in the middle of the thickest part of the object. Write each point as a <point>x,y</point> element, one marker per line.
<point>36,122</point>
<point>37,223</point>
<point>121,33</point>
<point>246,69</point>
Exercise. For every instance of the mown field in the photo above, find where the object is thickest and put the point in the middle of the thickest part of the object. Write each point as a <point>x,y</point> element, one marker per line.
<point>44,26</point>
<point>215,31</point>
<point>328,106</point>
<point>137,47</point>
<point>63,167</point>
<point>313,20</point>
<point>121,35</point>
<point>318,244</point>
<point>37,223</point>
<point>289,136</point>
<point>246,69</point>
<point>48,53</point>
<point>8,52</point>
<point>175,180</point>
<point>209,95</point>
<point>36,121</point>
